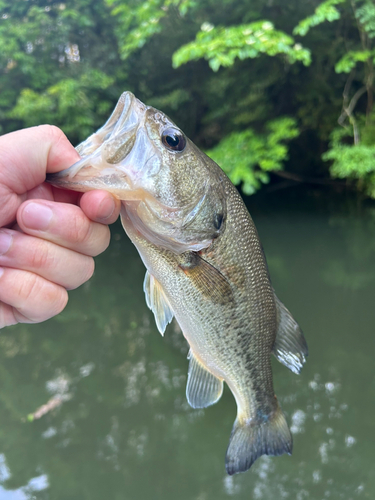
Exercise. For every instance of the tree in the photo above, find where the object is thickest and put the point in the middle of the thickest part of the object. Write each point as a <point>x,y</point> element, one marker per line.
<point>352,147</point>
<point>242,85</point>
<point>52,67</point>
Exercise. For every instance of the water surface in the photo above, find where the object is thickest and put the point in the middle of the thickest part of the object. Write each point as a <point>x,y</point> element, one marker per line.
<point>125,430</point>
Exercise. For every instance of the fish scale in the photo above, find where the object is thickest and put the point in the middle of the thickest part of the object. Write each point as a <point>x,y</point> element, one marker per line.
<point>205,267</point>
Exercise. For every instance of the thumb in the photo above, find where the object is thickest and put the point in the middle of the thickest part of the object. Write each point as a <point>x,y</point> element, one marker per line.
<point>26,156</point>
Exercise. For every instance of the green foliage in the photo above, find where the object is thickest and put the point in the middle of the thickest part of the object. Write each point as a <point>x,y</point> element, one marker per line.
<point>61,104</point>
<point>221,46</point>
<point>139,21</point>
<point>326,11</point>
<point>172,100</point>
<point>67,63</point>
<point>365,14</point>
<point>52,65</point>
<point>350,59</point>
<point>247,156</point>
<point>352,148</point>
<point>354,162</point>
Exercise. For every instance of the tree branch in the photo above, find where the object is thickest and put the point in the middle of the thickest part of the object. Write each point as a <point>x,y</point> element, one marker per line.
<point>348,112</point>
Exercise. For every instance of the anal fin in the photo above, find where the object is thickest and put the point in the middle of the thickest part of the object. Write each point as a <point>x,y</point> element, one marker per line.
<point>203,389</point>
<point>290,346</point>
<point>157,302</point>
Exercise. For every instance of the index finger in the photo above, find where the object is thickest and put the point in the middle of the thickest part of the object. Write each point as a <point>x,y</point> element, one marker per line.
<point>63,224</point>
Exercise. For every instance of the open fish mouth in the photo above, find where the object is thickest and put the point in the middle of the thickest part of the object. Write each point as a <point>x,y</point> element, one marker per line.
<point>130,157</point>
<point>112,156</point>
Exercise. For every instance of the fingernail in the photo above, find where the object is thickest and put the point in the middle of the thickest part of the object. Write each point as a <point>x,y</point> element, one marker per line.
<point>5,242</point>
<point>37,216</point>
<point>106,208</point>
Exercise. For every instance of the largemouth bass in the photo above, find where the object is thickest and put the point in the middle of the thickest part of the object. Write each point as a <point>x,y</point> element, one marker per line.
<point>205,267</point>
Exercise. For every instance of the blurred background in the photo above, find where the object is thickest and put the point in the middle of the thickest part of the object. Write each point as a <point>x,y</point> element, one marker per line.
<point>280,94</point>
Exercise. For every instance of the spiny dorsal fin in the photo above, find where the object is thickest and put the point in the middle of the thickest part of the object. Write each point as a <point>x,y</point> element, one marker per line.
<point>290,346</point>
<point>203,389</point>
<point>157,302</point>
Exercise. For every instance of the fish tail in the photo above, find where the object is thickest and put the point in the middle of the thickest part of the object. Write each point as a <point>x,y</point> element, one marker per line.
<point>250,440</point>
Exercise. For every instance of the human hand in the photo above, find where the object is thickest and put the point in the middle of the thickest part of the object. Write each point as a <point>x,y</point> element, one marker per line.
<point>48,236</point>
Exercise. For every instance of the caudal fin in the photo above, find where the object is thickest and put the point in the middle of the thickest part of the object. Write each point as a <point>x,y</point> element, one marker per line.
<point>249,441</point>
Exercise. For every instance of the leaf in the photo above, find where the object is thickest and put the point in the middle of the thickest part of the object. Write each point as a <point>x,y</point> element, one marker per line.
<point>326,11</point>
<point>221,46</point>
<point>69,104</point>
<point>366,17</point>
<point>352,162</point>
<point>349,60</point>
<point>138,21</point>
<point>247,156</point>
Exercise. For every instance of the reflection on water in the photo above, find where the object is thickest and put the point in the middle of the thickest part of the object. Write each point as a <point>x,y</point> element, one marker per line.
<point>123,428</point>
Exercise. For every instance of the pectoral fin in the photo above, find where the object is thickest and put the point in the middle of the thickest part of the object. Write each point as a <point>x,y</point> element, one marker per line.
<point>157,302</point>
<point>207,279</point>
<point>290,346</point>
<point>203,389</point>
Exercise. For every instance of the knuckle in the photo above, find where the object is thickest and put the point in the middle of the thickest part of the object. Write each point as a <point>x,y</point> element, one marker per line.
<point>40,257</point>
<point>40,298</point>
<point>28,298</point>
<point>79,230</point>
<point>54,133</point>
<point>29,287</point>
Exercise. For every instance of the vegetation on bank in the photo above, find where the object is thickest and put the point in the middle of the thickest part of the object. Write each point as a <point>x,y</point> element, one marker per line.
<point>260,85</point>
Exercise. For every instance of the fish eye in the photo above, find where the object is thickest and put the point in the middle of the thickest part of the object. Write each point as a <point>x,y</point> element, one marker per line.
<point>173,139</point>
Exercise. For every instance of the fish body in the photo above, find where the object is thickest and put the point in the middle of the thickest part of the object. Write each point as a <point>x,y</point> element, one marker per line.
<point>205,267</point>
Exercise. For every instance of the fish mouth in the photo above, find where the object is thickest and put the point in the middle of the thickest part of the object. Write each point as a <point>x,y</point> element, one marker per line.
<point>123,158</point>
<point>112,156</point>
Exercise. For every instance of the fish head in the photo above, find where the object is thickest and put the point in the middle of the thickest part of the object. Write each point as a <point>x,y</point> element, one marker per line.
<point>171,192</point>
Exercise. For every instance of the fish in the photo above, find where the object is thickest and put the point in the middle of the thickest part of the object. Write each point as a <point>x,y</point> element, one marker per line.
<point>205,267</point>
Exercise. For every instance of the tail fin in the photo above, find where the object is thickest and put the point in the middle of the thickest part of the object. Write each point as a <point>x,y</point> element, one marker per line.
<point>249,441</point>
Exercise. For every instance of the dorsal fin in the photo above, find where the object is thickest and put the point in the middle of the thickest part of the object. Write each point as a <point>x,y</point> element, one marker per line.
<point>202,389</point>
<point>290,346</point>
<point>157,302</point>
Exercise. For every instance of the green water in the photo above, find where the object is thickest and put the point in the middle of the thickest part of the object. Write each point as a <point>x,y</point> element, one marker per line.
<point>125,431</point>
